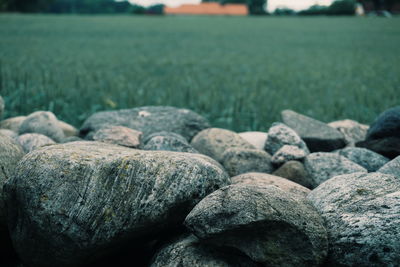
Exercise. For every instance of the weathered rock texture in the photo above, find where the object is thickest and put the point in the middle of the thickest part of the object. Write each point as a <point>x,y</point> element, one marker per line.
<point>317,135</point>
<point>1,107</point>
<point>388,146</point>
<point>267,179</point>
<point>68,129</point>
<point>294,171</point>
<point>190,252</point>
<point>9,133</point>
<point>213,142</point>
<point>362,215</point>
<point>288,153</point>
<point>10,154</point>
<point>32,141</point>
<point>322,166</point>
<point>268,225</point>
<point>364,157</point>
<point>168,141</point>
<point>148,120</point>
<point>237,161</point>
<point>119,135</point>
<point>69,204</point>
<point>13,123</point>
<point>280,135</point>
<point>257,139</point>
<point>352,131</point>
<point>42,122</point>
<point>392,167</point>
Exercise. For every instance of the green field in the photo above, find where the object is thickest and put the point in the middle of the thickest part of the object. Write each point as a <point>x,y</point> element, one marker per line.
<point>238,72</point>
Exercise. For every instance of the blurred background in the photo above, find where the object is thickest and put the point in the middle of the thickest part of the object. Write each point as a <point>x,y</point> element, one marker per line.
<point>236,62</point>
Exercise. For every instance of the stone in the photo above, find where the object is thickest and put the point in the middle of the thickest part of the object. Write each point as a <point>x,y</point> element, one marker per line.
<point>119,135</point>
<point>213,142</point>
<point>148,120</point>
<point>366,158</point>
<point>71,139</point>
<point>68,129</point>
<point>279,135</point>
<point>13,123</point>
<point>388,147</point>
<point>295,172</point>
<point>1,107</point>
<point>317,135</point>
<point>392,167</point>
<point>270,226</point>
<point>352,131</point>
<point>32,141</point>
<point>362,218</point>
<point>68,204</point>
<point>387,124</point>
<point>257,139</point>
<point>42,122</point>
<point>322,166</point>
<point>288,153</point>
<point>190,252</point>
<point>10,154</point>
<point>9,133</point>
<point>168,141</point>
<point>238,160</point>
<point>257,178</point>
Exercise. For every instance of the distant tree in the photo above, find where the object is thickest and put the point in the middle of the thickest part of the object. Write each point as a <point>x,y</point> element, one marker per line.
<point>314,10</point>
<point>284,11</point>
<point>138,10</point>
<point>157,9</point>
<point>342,7</point>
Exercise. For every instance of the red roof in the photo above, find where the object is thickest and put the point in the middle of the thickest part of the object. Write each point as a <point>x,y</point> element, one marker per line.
<point>208,9</point>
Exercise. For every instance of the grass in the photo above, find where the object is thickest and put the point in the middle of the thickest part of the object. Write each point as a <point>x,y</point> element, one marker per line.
<point>238,72</point>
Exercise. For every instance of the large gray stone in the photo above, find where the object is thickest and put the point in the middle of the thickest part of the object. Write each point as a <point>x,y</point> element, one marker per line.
<point>257,139</point>
<point>213,142</point>
<point>190,252</point>
<point>32,141</point>
<point>387,124</point>
<point>148,120</point>
<point>392,167</point>
<point>317,135</point>
<point>70,203</point>
<point>364,157</point>
<point>295,172</point>
<point>268,179</point>
<point>362,215</point>
<point>13,123</point>
<point>1,107</point>
<point>269,225</point>
<point>168,141</point>
<point>9,133</point>
<point>279,135</point>
<point>119,135</point>
<point>322,166</point>
<point>288,153</point>
<point>68,129</point>
<point>352,131</point>
<point>387,146</point>
<point>238,160</point>
<point>10,154</point>
<point>42,122</point>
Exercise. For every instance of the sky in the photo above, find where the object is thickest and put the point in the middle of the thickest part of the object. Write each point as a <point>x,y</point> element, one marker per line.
<point>272,4</point>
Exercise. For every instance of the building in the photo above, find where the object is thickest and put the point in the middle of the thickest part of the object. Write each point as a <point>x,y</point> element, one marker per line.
<point>210,8</point>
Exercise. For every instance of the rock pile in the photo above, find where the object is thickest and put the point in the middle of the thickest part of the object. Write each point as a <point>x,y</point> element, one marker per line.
<point>158,186</point>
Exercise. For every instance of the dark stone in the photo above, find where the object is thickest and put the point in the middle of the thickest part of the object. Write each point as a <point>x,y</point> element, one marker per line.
<point>387,124</point>
<point>318,135</point>
<point>148,120</point>
<point>388,147</point>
